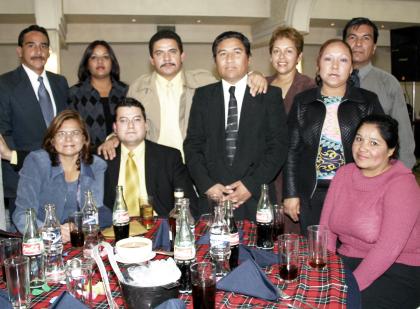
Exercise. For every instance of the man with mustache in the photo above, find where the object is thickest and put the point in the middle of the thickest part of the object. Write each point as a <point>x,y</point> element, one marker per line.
<point>30,97</point>
<point>362,34</point>
<point>167,92</point>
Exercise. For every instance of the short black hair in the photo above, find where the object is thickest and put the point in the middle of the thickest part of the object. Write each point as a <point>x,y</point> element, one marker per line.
<point>83,72</point>
<point>357,22</point>
<point>32,28</point>
<point>130,102</point>
<point>165,34</point>
<point>231,35</point>
<point>388,129</point>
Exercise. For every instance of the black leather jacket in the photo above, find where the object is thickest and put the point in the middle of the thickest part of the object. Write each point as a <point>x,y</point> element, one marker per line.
<point>305,122</point>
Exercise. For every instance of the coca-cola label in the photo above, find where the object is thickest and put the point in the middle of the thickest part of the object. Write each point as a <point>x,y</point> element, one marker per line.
<point>264,216</point>
<point>32,248</point>
<point>120,217</point>
<point>184,253</point>
<point>234,239</point>
<point>217,240</point>
<point>53,236</point>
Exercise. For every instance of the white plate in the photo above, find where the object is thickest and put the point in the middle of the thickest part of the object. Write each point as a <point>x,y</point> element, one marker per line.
<point>135,261</point>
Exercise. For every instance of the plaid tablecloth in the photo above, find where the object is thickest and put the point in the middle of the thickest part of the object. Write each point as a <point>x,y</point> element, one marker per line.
<point>321,288</point>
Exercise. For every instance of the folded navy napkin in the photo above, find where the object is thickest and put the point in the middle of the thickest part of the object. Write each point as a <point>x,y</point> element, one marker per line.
<point>65,301</point>
<point>172,303</point>
<point>262,257</point>
<point>161,240</point>
<point>205,239</point>
<point>248,279</point>
<point>4,300</point>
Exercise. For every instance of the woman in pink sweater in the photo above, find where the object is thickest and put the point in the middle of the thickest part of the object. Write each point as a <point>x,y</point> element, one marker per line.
<point>373,209</point>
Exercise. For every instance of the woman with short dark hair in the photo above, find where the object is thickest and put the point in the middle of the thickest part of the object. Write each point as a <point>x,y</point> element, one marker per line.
<point>98,91</point>
<point>373,209</point>
<point>60,174</point>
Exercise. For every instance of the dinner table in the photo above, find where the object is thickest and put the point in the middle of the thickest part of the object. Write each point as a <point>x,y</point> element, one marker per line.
<point>314,288</point>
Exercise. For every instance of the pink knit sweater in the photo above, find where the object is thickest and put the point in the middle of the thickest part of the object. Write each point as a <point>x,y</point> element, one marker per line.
<point>376,218</point>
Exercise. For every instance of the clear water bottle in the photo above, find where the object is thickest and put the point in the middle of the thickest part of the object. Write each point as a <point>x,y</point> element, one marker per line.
<point>53,245</point>
<point>90,212</point>
<point>190,218</point>
<point>174,214</point>
<point>265,220</point>
<point>220,242</point>
<point>184,250</point>
<point>33,248</point>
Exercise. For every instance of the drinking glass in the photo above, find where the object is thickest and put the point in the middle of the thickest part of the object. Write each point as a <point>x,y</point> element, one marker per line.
<point>203,279</point>
<point>9,248</point>
<point>78,279</point>
<point>317,242</point>
<point>278,220</point>
<point>77,237</point>
<point>288,256</point>
<point>17,273</point>
<point>146,211</point>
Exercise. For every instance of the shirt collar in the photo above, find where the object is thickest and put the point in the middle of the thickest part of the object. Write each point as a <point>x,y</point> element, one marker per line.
<point>137,151</point>
<point>240,86</point>
<point>176,81</point>
<point>363,71</point>
<point>32,75</point>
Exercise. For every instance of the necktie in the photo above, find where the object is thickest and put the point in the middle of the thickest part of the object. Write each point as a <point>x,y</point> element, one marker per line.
<point>232,126</point>
<point>45,102</point>
<point>132,186</point>
<point>354,77</point>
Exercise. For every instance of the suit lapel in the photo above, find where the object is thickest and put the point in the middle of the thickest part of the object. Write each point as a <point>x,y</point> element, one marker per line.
<point>114,169</point>
<point>56,93</point>
<point>217,108</point>
<point>27,96</point>
<point>248,112</point>
<point>150,166</point>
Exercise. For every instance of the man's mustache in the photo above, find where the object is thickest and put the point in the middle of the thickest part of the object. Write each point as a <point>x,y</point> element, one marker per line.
<point>170,63</point>
<point>38,57</point>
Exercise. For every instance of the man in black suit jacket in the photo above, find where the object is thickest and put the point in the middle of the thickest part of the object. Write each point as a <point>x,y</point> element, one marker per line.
<point>163,168</point>
<point>260,145</point>
<point>22,124</point>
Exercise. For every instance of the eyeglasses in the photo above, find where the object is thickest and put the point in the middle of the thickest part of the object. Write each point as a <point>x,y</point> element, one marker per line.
<point>126,121</point>
<point>75,134</point>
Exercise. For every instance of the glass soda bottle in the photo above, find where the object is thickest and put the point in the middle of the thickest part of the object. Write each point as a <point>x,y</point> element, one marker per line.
<point>220,242</point>
<point>264,220</point>
<point>184,250</point>
<point>90,212</point>
<point>53,245</point>
<point>173,215</point>
<point>33,248</point>
<point>233,235</point>
<point>120,216</point>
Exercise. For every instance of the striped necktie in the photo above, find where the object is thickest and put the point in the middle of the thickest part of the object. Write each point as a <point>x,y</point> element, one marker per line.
<point>354,77</point>
<point>232,126</point>
<point>45,102</point>
<point>132,186</point>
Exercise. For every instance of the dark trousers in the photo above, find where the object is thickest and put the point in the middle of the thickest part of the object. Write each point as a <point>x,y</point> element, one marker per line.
<point>310,210</point>
<point>398,287</point>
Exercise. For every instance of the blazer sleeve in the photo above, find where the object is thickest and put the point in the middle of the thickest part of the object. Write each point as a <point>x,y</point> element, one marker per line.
<point>28,191</point>
<point>276,142</point>
<point>105,213</point>
<point>195,143</point>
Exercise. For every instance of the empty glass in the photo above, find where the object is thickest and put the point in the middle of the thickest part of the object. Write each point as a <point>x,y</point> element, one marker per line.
<point>9,248</point>
<point>17,273</point>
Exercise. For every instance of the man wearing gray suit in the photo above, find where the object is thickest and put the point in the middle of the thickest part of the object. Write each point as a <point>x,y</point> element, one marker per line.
<point>29,98</point>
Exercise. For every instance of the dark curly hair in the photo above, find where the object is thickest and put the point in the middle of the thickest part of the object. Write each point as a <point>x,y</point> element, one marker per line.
<point>85,155</point>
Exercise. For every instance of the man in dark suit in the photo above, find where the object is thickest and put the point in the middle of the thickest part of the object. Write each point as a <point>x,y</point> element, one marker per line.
<point>235,142</point>
<point>159,169</point>
<point>29,98</point>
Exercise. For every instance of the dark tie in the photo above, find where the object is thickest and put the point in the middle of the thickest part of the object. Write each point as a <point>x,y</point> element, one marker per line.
<point>45,102</point>
<point>354,77</point>
<point>232,126</point>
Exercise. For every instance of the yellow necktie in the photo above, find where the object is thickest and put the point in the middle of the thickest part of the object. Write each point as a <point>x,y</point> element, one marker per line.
<point>132,186</point>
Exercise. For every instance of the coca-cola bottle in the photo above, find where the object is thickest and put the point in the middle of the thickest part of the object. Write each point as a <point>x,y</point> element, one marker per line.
<point>264,220</point>
<point>33,248</point>
<point>90,212</point>
<point>120,216</point>
<point>184,250</point>
<point>53,245</point>
<point>173,215</point>
<point>233,235</point>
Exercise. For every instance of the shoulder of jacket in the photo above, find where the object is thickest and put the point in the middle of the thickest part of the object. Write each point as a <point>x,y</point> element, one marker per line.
<point>198,78</point>
<point>98,163</point>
